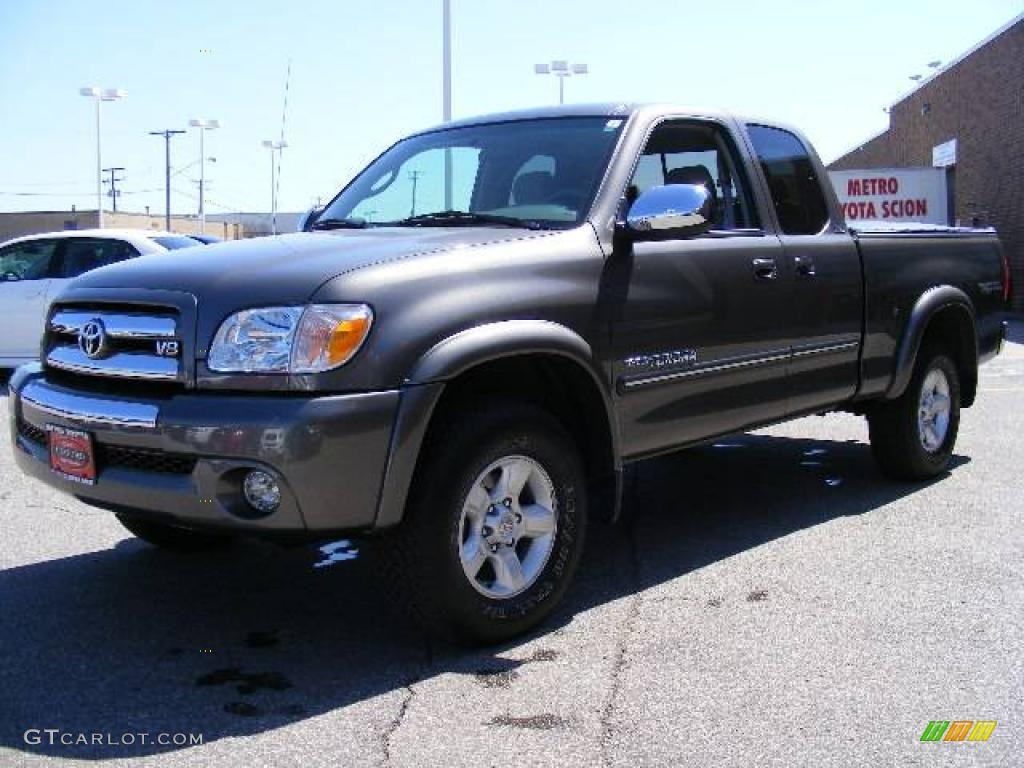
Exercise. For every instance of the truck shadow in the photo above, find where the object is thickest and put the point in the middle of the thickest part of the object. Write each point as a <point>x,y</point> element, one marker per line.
<point>131,640</point>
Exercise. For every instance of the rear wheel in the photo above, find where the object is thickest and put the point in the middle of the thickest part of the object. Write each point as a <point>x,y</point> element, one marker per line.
<point>172,537</point>
<point>912,437</point>
<point>495,525</point>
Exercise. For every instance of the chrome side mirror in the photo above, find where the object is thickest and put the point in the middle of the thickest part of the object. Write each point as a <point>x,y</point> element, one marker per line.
<point>671,211</point>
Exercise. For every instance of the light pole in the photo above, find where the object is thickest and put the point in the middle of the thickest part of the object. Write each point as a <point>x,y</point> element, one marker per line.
<point>560,69</point>
<point>446,95</point>
<point>274,147</point>
<point>203,125</point>
<point>98,95</point>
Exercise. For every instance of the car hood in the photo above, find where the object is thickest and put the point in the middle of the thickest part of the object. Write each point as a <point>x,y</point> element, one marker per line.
<point>285,269</point>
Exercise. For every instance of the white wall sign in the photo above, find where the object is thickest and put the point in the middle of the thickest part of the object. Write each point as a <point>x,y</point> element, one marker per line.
<point>944,154</point>
<point>892,194</point>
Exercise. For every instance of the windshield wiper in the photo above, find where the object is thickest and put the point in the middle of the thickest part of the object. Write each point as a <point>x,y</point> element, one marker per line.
<point>465,219</point>
<point>353,223</point>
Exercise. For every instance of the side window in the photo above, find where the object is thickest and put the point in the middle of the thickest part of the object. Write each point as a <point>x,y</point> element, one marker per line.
<point>794,186</point>
<point>27,261</point>
<point>697,153</point>
<point>82,255</point>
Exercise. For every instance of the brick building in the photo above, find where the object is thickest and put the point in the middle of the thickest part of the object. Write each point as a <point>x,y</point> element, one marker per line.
<point>978,102</point>
<point>18,223</point>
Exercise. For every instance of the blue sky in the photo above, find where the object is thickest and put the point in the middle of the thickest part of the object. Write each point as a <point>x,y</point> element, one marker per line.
<point>364,74</point>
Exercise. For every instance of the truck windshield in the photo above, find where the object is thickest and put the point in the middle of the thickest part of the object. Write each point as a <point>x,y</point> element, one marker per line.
<point>535,173</point>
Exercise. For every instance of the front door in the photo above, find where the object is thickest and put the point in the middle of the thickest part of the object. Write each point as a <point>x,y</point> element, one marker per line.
<point>24,285</point>
<point>699,325</point>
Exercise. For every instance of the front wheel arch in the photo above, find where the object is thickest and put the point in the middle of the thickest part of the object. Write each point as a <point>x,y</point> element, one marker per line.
<point>535,361</point>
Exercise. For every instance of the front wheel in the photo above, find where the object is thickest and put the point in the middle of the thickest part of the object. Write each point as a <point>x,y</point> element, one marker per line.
<point>495,526</point>
<point>912,437</point>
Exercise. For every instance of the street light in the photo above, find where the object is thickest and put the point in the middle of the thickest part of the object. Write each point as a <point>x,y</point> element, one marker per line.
<point>203,126</point>
<point>560,69</point>
<point>98,95</point>
<point>446,93</point>
<point>933,65</point>
<point>274,147</point>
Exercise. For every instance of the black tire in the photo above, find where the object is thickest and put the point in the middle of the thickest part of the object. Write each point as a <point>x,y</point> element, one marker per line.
<point>172,537</point>
<point>896,440</point>
<point>421,557</point>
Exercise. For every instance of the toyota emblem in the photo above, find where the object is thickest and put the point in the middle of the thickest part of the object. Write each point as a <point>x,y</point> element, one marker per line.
<point>92,339</point>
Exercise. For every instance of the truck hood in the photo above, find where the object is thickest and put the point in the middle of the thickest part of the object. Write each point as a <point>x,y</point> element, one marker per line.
<point>286,269</point>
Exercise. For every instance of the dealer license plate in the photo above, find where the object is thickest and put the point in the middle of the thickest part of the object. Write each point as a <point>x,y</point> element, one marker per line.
<point>71,454</point>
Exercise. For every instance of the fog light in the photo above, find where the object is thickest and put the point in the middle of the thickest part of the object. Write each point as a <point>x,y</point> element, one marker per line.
<point>261,491</point>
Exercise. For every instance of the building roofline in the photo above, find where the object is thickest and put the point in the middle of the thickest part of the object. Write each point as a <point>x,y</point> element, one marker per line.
<point>959,59</point>
<point>861,144</point>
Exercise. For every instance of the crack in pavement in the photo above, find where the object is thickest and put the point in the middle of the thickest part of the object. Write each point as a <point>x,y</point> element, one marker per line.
<point>396,722</point>
<point>410,693</point>
<point>624,634</point>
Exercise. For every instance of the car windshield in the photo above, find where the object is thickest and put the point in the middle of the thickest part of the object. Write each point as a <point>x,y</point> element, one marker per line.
<point>529,172</point>
<point>174,242</point>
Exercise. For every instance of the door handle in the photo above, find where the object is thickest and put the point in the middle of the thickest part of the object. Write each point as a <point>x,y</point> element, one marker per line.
<point>805,266</point>
<point>765,269</point>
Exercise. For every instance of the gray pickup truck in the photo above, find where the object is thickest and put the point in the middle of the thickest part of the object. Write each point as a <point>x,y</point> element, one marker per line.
<point>483,328</point>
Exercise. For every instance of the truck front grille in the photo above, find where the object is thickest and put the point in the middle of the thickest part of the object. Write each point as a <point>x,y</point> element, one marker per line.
<point>142,459</point>
<point>133,343</point>
<point>31,432</point>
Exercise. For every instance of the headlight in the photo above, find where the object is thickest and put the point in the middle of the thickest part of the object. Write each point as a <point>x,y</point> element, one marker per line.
<point>290,339</point>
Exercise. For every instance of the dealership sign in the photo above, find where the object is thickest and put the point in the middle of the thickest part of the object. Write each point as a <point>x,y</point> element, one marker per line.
<point>892,194</point>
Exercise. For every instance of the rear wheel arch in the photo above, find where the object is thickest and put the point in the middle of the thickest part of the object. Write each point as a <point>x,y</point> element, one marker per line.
<point>943,317</point>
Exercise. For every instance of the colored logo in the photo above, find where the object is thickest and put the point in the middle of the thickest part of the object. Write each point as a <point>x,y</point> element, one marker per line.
<point>958,730</point>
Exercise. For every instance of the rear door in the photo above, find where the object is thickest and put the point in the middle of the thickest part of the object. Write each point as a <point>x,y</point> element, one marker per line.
<point>827,292</point>
<point>24,285</point>
<point>700,325</point>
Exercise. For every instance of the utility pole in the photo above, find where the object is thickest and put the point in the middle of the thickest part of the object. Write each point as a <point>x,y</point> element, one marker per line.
<point>113,184</point>
<point>167,134</point>
<point>414,177</point>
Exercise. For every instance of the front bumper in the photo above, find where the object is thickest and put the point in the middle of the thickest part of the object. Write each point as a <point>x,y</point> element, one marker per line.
<point>181,458</point>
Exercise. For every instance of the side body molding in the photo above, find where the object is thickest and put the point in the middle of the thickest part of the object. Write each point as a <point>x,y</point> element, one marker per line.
<point>423,387</point>
<point>931,302</point>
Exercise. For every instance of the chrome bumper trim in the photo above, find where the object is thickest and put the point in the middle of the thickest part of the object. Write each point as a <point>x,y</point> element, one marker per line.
<point>86,409</point>
<point>125,365</point>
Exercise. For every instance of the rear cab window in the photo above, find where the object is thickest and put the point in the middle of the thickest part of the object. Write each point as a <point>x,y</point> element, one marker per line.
<point>792,181</point>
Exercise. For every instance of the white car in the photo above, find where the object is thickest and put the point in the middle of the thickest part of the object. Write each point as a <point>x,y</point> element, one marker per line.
<point>34,270</point>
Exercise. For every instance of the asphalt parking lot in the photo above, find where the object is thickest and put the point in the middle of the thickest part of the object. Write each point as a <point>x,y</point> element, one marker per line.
<point>770,600</point>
